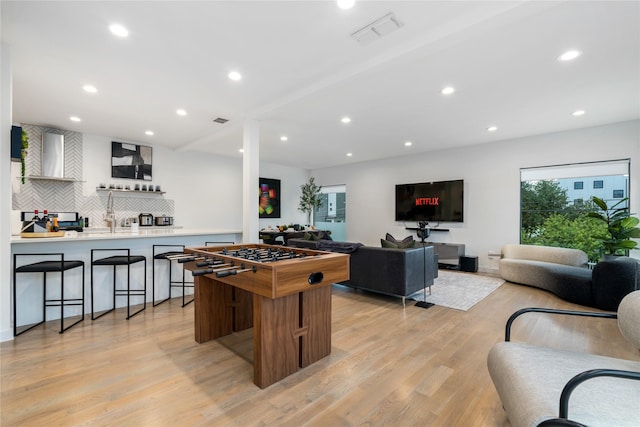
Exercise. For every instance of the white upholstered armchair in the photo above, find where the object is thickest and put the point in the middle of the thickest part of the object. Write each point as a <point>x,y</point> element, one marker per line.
<point>541,386</point>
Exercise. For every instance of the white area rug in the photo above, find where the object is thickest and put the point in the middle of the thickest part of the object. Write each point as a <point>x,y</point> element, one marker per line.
<point>459,290</point>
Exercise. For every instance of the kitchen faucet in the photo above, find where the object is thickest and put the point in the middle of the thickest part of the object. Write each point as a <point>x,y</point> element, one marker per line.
<point>110,217</point>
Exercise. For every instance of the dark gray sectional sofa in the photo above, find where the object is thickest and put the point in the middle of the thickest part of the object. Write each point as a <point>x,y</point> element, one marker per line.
<point>390,271</point>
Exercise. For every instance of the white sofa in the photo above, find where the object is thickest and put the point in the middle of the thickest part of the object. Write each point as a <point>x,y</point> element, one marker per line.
<point>530,379</point>
<point>562,271</point>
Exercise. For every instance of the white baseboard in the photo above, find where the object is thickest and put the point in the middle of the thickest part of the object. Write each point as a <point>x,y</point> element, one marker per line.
<point>6,335</point>
<point>488,270</point>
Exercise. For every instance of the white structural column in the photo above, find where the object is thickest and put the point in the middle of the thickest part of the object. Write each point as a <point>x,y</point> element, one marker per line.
<point>250,181</point>
<point>6,333</point>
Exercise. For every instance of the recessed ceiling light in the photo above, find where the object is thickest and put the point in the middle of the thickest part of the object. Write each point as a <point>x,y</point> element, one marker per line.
<point>89,88</point>
<point>284,138</point>
<point>181,112</point>
<point>241,150</point>
<point>346,4</point>
<point>569,55</point>
<point>448,90</point>
<point>492,128</point>
<point>235,76</point>
<point>345,120</point>
<point>75,119</point>
<point>408,143</point>
<point>578,113</point>
<point>349,154</point>
<point>148,132</point>
<point>119,30</point>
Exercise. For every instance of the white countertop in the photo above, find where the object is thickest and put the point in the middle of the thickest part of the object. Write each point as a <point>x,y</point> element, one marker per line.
<point>122,233</point>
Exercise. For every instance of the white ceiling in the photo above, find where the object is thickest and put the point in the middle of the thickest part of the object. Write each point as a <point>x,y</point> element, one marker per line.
<point>303,72</point>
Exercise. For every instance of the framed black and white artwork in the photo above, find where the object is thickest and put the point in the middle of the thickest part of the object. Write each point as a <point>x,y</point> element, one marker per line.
<point>131,161</point>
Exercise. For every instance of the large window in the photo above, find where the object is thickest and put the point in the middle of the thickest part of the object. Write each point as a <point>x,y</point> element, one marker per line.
<point>555,199</point>
<point>332,214</point>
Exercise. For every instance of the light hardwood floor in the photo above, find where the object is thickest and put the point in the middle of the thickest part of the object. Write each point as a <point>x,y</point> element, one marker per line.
<point>388,366</point>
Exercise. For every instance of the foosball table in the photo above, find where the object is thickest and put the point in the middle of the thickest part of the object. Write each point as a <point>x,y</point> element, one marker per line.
<point>283,293</point>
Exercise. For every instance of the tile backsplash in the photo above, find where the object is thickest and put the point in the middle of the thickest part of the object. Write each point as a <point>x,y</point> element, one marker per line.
<point>67,196</point>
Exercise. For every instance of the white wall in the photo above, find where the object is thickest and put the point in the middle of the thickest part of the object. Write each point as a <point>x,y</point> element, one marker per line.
<point>206,189</point>
<point>492,184</point>
<point>5,191</point>
<point>290,181</point>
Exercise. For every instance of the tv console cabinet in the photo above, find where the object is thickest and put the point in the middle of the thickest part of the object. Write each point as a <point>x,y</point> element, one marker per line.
<point>448,253</point>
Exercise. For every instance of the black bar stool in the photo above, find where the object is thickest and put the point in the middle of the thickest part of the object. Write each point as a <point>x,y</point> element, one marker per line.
<point>115,261</point>
<point>172,283</point>
<point>50,266</point>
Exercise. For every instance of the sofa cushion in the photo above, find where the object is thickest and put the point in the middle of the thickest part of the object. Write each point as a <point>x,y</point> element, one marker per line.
<point>629,318</point>
<point>302,243</point>
<point>342,247</point>
<point>529,380</point>
<point>570,283</point>
<point>566,256</point>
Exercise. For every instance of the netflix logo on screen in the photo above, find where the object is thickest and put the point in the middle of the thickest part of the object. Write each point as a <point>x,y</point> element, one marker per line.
<point>427,201</point>
<point>439,201</point>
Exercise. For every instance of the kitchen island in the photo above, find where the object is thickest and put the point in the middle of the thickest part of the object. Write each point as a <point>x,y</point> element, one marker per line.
<point>78,245</point>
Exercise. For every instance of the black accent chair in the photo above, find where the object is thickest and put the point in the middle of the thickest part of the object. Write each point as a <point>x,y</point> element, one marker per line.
<point>115,261</point>
<point>58,265</point>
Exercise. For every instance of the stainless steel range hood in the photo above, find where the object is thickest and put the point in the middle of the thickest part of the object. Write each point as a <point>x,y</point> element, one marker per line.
<point>52,155</point>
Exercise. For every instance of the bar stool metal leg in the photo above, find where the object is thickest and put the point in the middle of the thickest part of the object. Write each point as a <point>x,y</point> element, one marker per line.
<point>115,261</point>
<point>59,265</point>
<point>169,256</point>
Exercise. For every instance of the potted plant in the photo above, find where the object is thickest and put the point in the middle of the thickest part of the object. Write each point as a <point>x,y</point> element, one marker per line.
<point>23,153</point>
<point>310,198</point>
<point>621,227</point>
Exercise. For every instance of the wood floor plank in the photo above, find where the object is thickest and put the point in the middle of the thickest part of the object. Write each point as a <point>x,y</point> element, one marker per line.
<point>388,366</point>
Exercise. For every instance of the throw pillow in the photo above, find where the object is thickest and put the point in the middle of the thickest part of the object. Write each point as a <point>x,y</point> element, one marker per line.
<point>387,244</point>
<point>323,235</point>
<point>405,243</point>
<point>389,238</point>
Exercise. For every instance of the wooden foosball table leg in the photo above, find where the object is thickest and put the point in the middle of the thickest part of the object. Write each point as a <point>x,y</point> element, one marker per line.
<point>290,333</point>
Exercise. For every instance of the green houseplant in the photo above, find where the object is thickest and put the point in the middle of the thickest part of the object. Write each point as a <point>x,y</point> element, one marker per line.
<point>23,154</point>
<point>621,226</point>
<point>310,198</point>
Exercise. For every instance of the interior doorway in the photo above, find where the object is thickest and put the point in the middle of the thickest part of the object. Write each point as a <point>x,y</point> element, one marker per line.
<point>331,215</point>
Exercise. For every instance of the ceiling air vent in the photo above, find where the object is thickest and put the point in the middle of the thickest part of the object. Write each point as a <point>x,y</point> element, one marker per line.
<point>220,120</point>
<point>378,28</point>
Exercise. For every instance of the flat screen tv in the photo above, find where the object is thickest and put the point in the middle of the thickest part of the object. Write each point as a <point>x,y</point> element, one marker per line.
<point>440,201</point>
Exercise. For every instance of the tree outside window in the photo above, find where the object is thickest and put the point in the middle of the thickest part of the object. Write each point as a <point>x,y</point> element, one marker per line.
<point>555,204</point>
